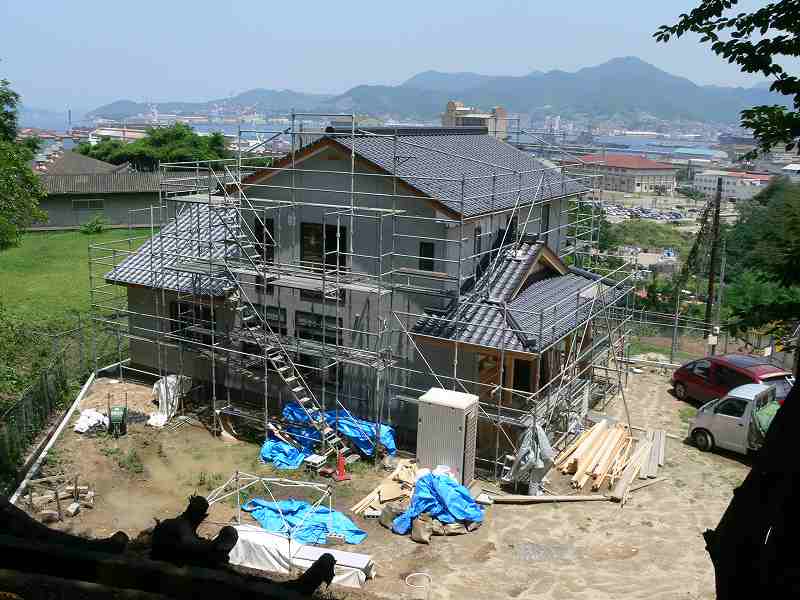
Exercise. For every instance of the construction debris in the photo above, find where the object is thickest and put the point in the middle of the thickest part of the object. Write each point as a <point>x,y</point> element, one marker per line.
<point>398,486</point>
<point>44,491</point>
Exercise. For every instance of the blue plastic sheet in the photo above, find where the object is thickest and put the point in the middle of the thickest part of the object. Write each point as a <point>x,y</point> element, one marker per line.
<point>281,454</point>
<point>443,499</point>
<point>301,522</point>
<point>360,432</point>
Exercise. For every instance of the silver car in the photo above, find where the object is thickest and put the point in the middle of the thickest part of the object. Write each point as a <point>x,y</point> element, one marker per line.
<point>738,421</point>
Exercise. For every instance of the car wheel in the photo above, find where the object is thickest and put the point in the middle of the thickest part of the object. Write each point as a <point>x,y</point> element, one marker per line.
<point>680,391</point>
<point>703,440</point>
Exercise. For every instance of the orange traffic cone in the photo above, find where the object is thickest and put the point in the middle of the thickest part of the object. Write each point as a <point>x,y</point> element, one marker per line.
<point>341,474</point>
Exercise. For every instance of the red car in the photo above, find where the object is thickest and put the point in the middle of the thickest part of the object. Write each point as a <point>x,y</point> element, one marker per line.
<point>714,376</point>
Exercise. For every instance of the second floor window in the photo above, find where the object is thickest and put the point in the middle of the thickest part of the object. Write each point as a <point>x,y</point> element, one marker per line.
<point>312,253</point>
<point>426,254</point>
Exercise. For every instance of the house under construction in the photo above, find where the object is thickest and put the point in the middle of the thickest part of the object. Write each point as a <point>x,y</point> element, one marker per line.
<point>365,267</point>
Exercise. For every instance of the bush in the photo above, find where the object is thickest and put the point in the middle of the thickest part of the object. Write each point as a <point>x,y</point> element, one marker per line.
<point>96,224</point>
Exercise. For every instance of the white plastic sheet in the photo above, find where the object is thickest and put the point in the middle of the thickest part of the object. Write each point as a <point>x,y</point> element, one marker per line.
<point>259,549</point>
<point>167,392</point>
<point>89,419</point>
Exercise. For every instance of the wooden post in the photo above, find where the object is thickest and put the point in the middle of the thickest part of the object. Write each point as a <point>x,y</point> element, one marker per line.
<point>54,487</point>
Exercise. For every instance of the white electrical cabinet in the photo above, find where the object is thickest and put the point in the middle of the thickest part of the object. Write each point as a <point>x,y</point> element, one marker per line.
<point>447,429</point>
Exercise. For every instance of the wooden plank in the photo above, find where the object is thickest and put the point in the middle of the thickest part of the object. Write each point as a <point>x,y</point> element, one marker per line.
<point>360,506</point>
<point>606,452</point>
<point>622,441</point>
<point>644,484</point>
<point>662,447</point>
<point>519,499</point>
<point>629,474</point>
<point>588,451</point>
<point>567,452</point>
<point>649,435</point>
<point>578,457</point>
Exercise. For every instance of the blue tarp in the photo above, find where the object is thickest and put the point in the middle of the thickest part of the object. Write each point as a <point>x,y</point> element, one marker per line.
<point>360,432</point>
<point>301,522</point>
<point>443,499</point>
<point>281,454</point>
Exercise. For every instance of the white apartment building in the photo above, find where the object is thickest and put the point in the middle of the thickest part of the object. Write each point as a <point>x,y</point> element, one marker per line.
<point>736,185</point>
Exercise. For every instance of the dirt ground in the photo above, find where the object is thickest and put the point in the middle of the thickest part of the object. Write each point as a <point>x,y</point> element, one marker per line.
<point>650,548</point>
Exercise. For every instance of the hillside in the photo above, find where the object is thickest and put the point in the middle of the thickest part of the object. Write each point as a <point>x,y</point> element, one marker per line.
<point>262,100</point>
<point>620,86</point>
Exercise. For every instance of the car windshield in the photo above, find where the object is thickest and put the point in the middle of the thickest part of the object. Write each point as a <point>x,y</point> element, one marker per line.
<point>781,383</point>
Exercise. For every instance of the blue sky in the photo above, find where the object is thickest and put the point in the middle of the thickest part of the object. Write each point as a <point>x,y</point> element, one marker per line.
<point>86,52</point>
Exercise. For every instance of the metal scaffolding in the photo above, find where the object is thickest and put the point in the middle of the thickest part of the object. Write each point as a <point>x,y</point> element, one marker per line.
<point>211,282</point>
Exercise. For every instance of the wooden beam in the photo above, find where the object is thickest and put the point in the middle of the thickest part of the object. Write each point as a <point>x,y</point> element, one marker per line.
<point>518,499</point>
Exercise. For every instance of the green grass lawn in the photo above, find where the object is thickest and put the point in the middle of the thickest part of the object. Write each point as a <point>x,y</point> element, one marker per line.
<point>637,347</point>
<point>46,278</point>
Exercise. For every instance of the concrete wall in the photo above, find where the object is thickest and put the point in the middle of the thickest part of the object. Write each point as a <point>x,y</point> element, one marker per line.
<point>116,211</point>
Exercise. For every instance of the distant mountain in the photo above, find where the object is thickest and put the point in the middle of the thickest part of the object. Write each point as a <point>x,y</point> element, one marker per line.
<point>260,100</point>
<point>436,81</point>
<point>621,86</point>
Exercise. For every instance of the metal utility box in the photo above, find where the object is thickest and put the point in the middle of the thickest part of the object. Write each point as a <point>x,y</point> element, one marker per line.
<point>447,429</point>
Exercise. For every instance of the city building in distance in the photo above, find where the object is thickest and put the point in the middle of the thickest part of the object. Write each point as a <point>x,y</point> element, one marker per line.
<point>736,185</point>
<point>458,115</point>
<point>633,174</point>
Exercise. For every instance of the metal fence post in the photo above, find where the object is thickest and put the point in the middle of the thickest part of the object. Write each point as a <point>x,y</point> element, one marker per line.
<point>81,351</point>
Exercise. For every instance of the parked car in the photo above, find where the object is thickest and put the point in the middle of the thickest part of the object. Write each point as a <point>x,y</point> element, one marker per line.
<point>714,376</point>
<point>738,421</point>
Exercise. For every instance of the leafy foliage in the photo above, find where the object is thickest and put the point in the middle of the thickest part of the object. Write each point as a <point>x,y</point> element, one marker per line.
<point>161,144</point>
<point>9,99</point>
<point>20,193</point>
<point>758,301</point>
<point>766,238</point>
<point>757,42</point>
<point>96,224</point>
<point>20,189</point>
<point>763,251</point>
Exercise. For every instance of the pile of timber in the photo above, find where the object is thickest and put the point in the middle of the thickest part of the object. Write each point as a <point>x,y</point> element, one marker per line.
<point>397,487</point>
<point>606,454</point>
<point>60,492</point>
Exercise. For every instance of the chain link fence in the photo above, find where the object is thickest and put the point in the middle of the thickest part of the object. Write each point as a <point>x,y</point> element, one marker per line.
<point>51,391</point>
<point>660,337</point>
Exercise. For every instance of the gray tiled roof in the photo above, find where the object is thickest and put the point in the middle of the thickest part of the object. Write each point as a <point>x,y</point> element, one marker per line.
<point>538,316</point>
<point>75,163</point>
<point>189,235</point>
<point>103,183</point>
<point>476,157</point>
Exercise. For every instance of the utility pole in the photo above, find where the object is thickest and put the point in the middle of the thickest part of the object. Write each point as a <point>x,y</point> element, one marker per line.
<point>712,270</point>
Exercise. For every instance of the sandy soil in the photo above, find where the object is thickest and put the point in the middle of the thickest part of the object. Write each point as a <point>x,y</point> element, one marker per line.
<point>651,548</point>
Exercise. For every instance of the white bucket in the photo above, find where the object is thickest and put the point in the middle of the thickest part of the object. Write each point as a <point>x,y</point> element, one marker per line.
<point>420,584</point>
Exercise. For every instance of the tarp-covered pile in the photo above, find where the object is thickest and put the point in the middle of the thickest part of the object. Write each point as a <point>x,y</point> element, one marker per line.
<point>300,521</point>
<point>360,432</point>
<point>443,499</point>
<point>281,454</point>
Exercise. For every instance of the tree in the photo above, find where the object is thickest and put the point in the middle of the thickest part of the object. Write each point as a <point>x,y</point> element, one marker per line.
<point>20,188</point>
<point>757,41</point>
<point>161,144</point>
<point>8,112</point>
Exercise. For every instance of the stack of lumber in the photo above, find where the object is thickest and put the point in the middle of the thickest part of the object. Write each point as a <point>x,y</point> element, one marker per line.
<point>598,455</point>
<point>655,459</point>
<point>397,487</point>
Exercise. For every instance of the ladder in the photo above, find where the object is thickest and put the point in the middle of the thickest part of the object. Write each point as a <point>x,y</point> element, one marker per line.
<point>259,331</point>
<point>291,377</point>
